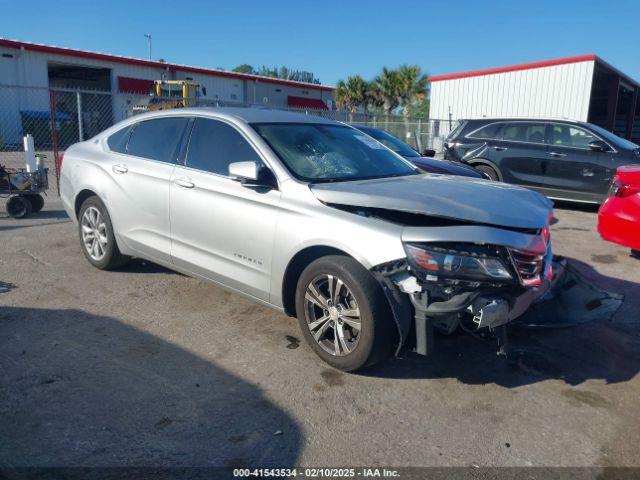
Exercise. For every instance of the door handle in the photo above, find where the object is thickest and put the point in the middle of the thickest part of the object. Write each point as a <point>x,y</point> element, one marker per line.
<point>558,155</point>
<point>119,168</point>
<point>499,149</point>
<point>184,182</point>
<point>587,172</point>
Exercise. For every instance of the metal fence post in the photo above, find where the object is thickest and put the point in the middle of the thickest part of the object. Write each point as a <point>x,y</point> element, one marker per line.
<point>54,137</point>
<point>79,105</point>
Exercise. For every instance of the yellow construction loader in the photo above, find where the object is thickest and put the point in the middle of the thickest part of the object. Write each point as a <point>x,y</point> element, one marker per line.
<point>170,94</point>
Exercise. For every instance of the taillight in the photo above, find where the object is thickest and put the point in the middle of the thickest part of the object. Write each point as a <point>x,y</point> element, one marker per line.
<point>620,189</point>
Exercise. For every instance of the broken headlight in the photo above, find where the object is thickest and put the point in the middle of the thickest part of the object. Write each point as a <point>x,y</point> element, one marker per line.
<point>473,263</point>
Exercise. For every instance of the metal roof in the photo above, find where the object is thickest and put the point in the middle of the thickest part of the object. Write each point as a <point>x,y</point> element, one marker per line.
<point>38,47</point>
<point>528,66</point>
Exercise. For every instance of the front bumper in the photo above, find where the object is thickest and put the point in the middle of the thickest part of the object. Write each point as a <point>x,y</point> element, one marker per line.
<point>488,307</point>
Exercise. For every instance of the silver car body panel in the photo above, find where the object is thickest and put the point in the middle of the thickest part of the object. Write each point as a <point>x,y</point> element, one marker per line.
<point>445,196</point>
<point>244,240</point>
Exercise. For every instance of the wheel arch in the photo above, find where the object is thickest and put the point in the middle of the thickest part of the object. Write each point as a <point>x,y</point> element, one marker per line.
<point>295,267</point>
<point>488,163</point>
<point>81,197</point>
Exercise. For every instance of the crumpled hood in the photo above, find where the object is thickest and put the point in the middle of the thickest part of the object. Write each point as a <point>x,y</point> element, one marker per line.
<point>445,196</point>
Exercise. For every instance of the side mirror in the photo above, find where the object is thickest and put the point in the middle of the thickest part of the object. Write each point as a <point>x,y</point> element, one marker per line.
<point>428,153</point>
<point>252,174</point>
<point>598,146</point>
<point>244,171</point>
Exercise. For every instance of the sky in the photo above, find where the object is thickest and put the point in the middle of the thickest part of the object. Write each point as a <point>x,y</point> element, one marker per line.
<point>335,39</point>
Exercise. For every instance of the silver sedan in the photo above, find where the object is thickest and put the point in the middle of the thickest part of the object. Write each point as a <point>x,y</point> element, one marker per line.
<point>314,218</point>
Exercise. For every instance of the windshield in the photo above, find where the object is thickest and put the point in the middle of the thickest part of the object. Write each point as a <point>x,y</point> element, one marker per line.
<point>327,153</point>
<point>390,141</point>
<point>616,140</point>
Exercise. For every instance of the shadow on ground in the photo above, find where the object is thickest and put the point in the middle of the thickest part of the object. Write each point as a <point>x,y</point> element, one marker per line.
<point>601,350</point>
<point>139,265</point>
<point>48,217</point>
<point>578,207</point>
<point>87,390</point>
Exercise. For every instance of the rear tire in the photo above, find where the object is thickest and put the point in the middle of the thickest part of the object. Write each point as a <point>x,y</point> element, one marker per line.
<point>346,295</point>
<point>635,253</point>
<point>96,236</point>
<point>37,202</point>
<point>489,171</point>
<point>19,207</point>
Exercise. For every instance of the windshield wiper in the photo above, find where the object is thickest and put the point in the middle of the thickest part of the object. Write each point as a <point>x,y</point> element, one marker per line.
<point>355,179</point>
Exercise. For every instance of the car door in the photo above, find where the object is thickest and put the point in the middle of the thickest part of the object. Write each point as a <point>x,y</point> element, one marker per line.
<point>574,170</point>
<point>221,229</point>
<point>142,171</point>
<point>522,153</point>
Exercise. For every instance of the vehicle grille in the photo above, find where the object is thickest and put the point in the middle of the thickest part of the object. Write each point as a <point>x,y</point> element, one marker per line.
<point>529,267</point>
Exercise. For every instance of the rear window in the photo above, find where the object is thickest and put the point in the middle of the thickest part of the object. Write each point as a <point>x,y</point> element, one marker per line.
<point>490,131</point>
<point>456,131</point>
<point>117,142</point>
<point>525,132</point>
<point>157,139</point>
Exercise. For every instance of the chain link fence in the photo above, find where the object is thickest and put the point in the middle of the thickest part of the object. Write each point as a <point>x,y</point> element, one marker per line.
<point>58,118</point>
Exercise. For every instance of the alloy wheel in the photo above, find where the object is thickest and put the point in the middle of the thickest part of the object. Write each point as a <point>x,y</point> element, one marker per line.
<point>94,233</point>
<point>332,315</point>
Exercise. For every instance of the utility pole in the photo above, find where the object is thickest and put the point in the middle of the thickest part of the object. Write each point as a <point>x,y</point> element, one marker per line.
<point>148,36</point>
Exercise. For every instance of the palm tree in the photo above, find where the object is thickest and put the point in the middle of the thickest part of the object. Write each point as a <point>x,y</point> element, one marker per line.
<point>411,86</point>
<point>384,91</point>
<point>351,94</point>
<point>411,89</point>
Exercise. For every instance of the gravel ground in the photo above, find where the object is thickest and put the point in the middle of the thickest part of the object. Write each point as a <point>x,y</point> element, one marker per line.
<point>144,366</point>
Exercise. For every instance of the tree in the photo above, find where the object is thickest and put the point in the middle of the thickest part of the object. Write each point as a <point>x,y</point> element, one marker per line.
<point>351,94</point>
<point>384,89</point>
<point>278,72</point>
<point>419,109</point>
<point>384,92</point>
<point>411,87</point>
<point>245,68</point>
<point>288,74</point>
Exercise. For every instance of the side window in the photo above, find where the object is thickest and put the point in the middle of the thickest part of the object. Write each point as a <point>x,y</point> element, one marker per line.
<point>157,139</point>
<point>568,136</point>
<point>525,132</point>
<point>490,131</point>
<point>214,145</point>
<point>117,142</point>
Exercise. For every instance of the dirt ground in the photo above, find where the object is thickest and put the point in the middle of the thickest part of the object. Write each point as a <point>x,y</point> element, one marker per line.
<point>144,366</point>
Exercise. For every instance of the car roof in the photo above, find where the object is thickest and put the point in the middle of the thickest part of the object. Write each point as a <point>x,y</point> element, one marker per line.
<point>523,119</point>
<point>246,114</point>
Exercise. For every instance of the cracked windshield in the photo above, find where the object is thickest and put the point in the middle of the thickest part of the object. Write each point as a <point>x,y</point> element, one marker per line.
<point>325,153</point>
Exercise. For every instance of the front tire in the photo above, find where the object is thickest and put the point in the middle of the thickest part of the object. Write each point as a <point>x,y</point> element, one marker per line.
<point>96,236</point>
<point>343,313</point>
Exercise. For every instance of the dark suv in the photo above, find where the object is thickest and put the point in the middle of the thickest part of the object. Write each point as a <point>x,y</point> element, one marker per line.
<point>562,159</point>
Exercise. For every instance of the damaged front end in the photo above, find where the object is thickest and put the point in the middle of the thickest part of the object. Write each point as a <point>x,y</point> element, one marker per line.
<point>445,283</point>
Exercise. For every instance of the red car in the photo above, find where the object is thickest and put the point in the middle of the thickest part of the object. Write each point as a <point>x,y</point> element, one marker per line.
<point>619,215</point>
